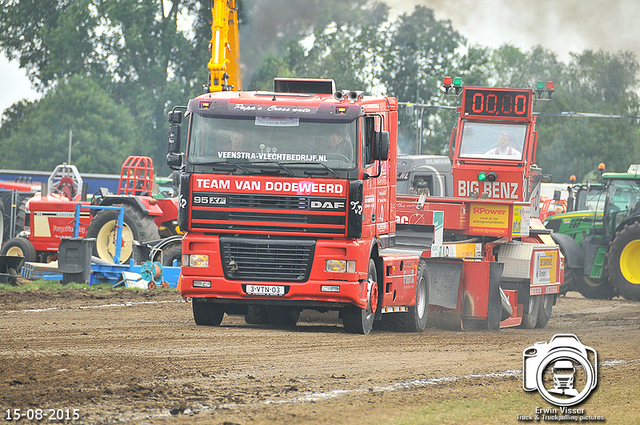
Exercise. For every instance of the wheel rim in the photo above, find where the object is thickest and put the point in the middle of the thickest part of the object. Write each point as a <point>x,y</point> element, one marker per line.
<point>630,262</point>
<point>15,251</point>
<point>421,299</point>
<point>592,281</point>
<point>106,242</point>
<point>374,297</point>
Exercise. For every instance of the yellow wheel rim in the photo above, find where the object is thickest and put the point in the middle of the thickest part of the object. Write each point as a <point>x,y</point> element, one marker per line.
<point>106,242</point>
<point>15,251</point>
<point>630,262</point>
<point>592,281</point>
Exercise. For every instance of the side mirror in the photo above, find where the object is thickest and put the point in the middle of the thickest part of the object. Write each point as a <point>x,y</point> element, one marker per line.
<point>175,118</point>
<point>174,160</point>
<point>381,146</point>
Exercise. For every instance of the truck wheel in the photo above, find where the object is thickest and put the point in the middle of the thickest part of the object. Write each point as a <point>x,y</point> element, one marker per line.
<point>416,319</point>
<point>19,247</point>
<point>595,289</point>
<point>207,314</point>
<point>257,315</point>
<point>137,226</point>
<point>544,312</point>
<point>623,262</point>
<point>530,319</point>
<point>283,316</point>
<point>358,320</point>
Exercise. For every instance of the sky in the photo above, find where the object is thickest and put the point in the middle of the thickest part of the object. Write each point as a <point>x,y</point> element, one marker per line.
<point>562,26</point>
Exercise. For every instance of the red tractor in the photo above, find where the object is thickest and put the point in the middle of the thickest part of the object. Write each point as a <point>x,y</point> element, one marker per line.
<point>50,218</point>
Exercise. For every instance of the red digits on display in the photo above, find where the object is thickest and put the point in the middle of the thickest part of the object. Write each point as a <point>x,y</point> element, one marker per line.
<point>492,104</point>
<point>521,104</point>
<point>478,109</point>
<point>497,103</point>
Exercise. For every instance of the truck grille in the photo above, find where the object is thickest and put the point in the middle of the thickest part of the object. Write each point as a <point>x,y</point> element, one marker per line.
<point>268,213</point>
<point>266,259</point>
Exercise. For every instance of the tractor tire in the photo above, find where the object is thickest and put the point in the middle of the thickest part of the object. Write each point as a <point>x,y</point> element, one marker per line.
<point>623,261</point>
<point>19,247</point>
<point>171,253</point>
<point>595,289</point>
<point>207,314</point>
<point>360,321</point>
<point>137,227</point>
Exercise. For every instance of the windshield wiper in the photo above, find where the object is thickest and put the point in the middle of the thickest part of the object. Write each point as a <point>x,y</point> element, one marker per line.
<point>226,163</point>
<point>278,163</point>
<point>329,169</point>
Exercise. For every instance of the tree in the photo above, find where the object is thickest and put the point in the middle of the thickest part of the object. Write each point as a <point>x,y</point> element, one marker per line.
<point>594,82</point>
<point>140,59</point>
<point>419,52</point>
<point>104,134</point>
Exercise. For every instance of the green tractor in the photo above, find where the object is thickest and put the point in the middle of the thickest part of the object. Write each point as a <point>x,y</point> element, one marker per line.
<point>600,236</point>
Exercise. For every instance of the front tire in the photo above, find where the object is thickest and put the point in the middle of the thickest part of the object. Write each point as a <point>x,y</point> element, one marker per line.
<point>19,247</point>
<point>207,314</point>
<point>358,320</point>
<point>623,262</point>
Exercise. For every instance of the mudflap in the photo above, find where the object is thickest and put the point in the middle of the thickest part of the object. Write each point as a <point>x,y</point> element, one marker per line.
<point>494,308</point>
<point>444,292</point>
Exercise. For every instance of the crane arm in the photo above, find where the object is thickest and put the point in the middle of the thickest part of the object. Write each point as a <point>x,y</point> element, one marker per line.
<point>224,66</point>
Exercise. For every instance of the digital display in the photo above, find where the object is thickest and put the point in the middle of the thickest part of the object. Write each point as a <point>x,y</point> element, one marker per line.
<point>490,102</point>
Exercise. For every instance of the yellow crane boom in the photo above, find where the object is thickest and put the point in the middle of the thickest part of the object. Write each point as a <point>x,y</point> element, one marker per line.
<point>224,66</point>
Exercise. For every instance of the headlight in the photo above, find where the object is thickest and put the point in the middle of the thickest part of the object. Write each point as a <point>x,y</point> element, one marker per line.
<point>195,260</point>
<point>341,266</point>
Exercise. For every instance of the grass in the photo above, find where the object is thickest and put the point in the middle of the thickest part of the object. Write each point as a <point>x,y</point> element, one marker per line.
<point>615,399</point>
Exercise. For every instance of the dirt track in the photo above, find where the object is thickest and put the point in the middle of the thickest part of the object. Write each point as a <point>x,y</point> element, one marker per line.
<point>139,358</point>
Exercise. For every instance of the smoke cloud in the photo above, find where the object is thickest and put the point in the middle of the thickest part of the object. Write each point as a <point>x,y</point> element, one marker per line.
<point>561,26</point>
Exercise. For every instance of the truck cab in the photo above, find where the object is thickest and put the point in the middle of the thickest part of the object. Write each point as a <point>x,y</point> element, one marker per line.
<point>285,196</point>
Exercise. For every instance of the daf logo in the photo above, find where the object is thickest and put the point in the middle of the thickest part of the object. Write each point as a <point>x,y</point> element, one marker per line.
<point>327,205</point>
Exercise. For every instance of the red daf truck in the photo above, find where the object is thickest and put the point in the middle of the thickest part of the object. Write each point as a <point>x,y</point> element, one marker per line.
<point>289,202</point>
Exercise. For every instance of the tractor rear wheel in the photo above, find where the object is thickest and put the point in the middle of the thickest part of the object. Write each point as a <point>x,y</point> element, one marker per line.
<point>597,289</point>
<point>623,261</point>
<point>136,227</point>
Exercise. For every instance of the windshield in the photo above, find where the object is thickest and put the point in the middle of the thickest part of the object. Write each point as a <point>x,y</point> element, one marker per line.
<point>492,140</point>
<point>267,139</point>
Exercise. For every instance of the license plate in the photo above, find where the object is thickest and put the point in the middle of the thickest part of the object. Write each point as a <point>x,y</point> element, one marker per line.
<point>265,290</point>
